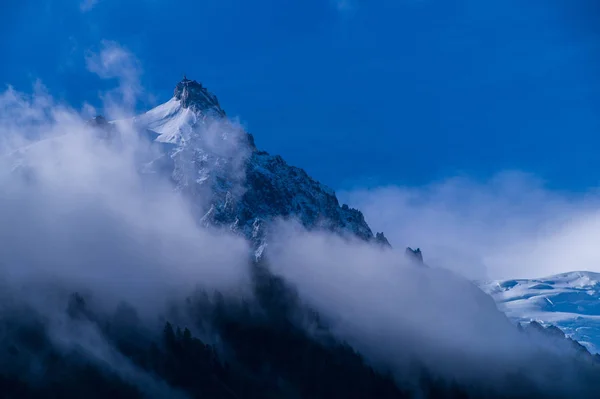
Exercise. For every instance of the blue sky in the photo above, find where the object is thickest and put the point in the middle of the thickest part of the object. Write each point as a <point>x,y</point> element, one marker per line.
<point>357,92</point>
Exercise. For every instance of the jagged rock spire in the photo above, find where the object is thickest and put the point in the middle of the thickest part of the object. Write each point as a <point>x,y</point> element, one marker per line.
<point>382,240</point>
<point>415,255</point>
<point>195,96</point>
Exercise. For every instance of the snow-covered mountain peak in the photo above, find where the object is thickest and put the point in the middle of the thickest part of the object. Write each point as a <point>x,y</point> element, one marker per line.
<point>196,97</point>
<point>173,122</point>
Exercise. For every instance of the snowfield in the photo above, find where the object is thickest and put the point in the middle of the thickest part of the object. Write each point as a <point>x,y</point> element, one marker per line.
<point>570,301</point>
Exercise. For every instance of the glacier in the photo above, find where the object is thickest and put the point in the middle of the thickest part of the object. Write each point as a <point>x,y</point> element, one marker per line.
<point>569,301</point>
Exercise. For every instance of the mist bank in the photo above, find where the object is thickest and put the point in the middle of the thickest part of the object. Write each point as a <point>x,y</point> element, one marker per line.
<point>510,225</point>
<point>399,313</point>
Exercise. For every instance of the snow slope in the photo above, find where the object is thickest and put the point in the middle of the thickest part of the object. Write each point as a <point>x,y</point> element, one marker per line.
<point>170,121</point>
<point>570,301</point>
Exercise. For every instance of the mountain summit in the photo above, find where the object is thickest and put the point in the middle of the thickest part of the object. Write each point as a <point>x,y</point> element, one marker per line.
<point>234,184</point>
<point>193,95</point>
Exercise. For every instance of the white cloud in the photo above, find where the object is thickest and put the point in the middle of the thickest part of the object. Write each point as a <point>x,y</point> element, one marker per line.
<point>116,62</point>
<point>399,314</point>
<point>84,203</point>
<point>508,227</point>
<point>78,216</point>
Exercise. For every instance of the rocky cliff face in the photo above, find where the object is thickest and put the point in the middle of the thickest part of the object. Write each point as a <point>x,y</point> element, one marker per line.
<point>235,184</point>
<point>194,96</point>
